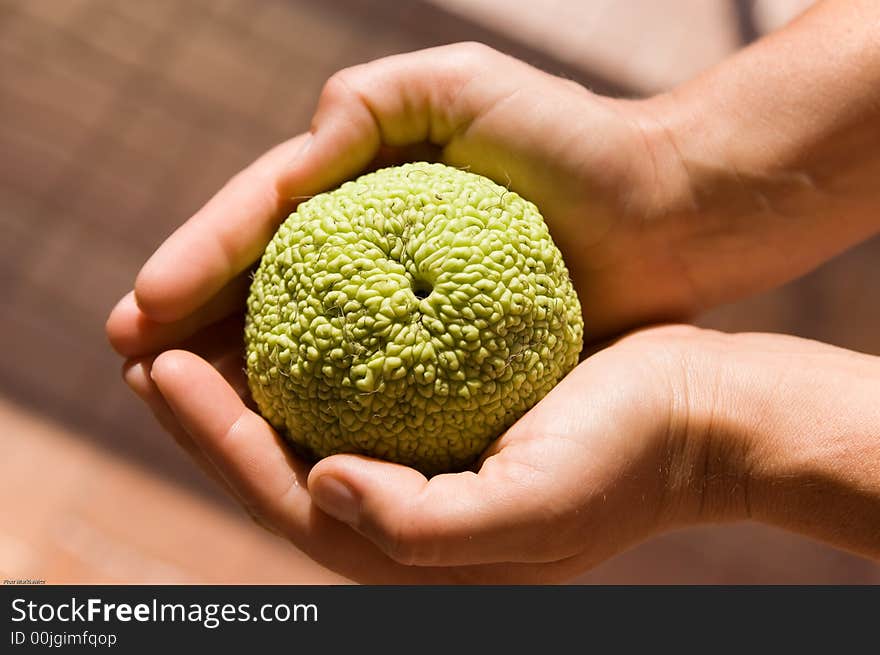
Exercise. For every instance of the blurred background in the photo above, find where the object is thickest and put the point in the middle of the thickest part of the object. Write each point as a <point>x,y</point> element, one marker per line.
<point>119,118</point>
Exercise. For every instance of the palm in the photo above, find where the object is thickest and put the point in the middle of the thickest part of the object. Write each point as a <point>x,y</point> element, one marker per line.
<point>565,454</point>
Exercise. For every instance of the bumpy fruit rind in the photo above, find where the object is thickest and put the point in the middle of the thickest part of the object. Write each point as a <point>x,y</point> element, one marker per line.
<point>412,315</point>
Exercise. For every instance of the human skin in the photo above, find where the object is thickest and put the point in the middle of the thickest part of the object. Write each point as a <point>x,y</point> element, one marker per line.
<point>739,180</point>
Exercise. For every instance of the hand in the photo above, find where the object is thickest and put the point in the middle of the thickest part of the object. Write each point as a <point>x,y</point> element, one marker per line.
<point>579,478</point>
<point>583,159</point>
<point>661,207</point>
<point>667,427</point>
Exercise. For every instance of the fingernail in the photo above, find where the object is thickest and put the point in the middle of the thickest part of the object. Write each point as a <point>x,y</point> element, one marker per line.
<point>133,369</point>
<point>337,499</point>
<point>135,376</point>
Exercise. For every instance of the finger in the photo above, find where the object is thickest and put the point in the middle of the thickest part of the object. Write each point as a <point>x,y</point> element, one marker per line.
<point>244,448</point>
<point>133,334</point>
<point>219,241</point>
<point>218,342</point>
<point>136,374</point>
<point>502,513</point>
<point>402,101</point>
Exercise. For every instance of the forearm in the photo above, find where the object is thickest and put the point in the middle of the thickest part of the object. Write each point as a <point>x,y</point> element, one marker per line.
<point>773,157</point>
<point>816,460</point>
<point>785,431</point>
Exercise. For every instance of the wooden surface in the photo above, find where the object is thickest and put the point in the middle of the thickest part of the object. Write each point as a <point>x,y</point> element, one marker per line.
<point>117,120</point>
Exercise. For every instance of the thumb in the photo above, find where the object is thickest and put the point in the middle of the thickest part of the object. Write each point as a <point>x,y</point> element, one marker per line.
<point>399,101</point>
<point>499,514</point>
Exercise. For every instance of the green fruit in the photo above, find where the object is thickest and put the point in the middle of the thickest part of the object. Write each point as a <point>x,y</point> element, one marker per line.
<point>412,315</point>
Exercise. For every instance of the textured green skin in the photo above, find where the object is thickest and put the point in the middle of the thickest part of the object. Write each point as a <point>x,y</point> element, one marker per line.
<point>343,356</point>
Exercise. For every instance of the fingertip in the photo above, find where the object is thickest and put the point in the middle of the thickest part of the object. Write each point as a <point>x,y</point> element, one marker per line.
<point>151,289</point>
<point>365,474</point>
<point>124,326</point>
<point>202,399</point>
<point>335,497</point>
<point>184,272</point>
<point>333,466</point>
<point>169,366</point>
<point>320,164</point>
<point>376,499</point>
<point>136,374</point>
<point>113,326</point>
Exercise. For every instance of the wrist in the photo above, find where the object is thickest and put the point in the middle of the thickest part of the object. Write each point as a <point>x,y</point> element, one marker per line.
<point>696,195</point>
<point>781,430</point>
<point>716,203</point>
<point>771,152</point>
<point>664,176</point>
<point>709,445</point>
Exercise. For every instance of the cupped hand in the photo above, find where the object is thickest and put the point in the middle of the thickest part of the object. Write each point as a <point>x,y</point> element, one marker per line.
<point>579,478</point>
<point>584,160</point>
<point>667,427</point>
